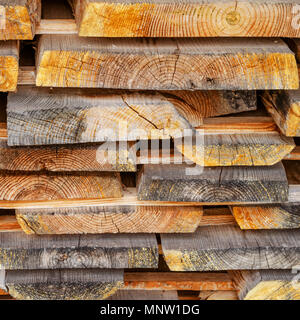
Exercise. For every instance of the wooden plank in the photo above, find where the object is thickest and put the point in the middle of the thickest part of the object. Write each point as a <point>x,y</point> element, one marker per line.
<point>294,44</point>
<point>16,186</point>
<point>281,216</point>
<point>209,18</point>
<point>258,149</point>
<point>67,158</point>
<point>81,284</point>
<point>144,295</point>
<point>9,223</point>
<point>177,281</point>
<point>165,64</point>
<point>284,107</point>
<point>9,65</point>
<point>229,248</point>
<point>22,252</point>
<point>114,219</point>
<point>19,18</point>
<point>39,116</point>
<point>267,285</point>
<point>212,184</point>
<point>294,155</point>
<point>218,295</point>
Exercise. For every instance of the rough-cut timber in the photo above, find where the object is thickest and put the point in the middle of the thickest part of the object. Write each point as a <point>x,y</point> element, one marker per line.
<point>9,65</point>
<point>81,284</point>
<point>267,284</point>
<point>235,149</point>
<point>16,186</point>
<point>284,106</point>
<point>165,64</point>
<point>144,295</point>
<point>188,18</point>
<point>213,184</point>
<point>61,158</point>
<point>114,219</point>
<point>18,19</point>
<point>229,248</point>
<point>19,251</point>
<point>218,295</point>
<point>178,281</point>
<point>38,116</point>
<point>281,216</point>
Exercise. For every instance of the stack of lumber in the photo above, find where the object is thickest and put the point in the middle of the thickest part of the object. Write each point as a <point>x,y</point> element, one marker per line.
<point>149,150</point>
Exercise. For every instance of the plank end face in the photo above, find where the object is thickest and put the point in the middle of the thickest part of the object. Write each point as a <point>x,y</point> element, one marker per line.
<point>226,64</point>
<point>223,248</point>
<point>70,284</point>
<point>112,219</point>
<point>9,65</point>
<point>162,19</point>
<point>19,19</point>
<point>267,284</point>
<point>284,107</point>
<point>213,184</point>
<point>281,216</point>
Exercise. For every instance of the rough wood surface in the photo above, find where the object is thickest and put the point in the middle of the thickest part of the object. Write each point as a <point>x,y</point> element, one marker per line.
<point>114,219</point>
<point>16,186</point>
<point>144,295</point>
<point>62,158</point>
<point>165,64</point>
<point>235,149</point>
<point>81,284</point>
<point>229,248</point>
<point>9,65</point>
<point>212,184</point>
<point>284,106</point>
<point>18,19</point>
<point>267,284</point>
<point>281,216</point>
<point>39,116</point>
<point>188,18</point>
<point>9,223</point>
<point>19,251</point>
<point>177,281</point>
<point>218,295</point>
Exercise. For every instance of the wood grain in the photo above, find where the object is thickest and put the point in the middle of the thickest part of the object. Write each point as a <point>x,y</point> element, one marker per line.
<point>212,184</point>
<point>281,216</point>
<point>284,107</point>
<point>258,149</point>
<point>165,64</point>
<point>9,65</point>
<point>22,252</point>
<point>134,295</point>
<point>19,19</point>
<point>267,285</point>
<point>15,186</point>
<point>208,18</point>
<point>81,284</point>
<point>229,248</point>
<point>113,219</point>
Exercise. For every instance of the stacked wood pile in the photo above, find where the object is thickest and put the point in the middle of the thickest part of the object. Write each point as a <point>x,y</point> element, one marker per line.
<point>87,82</point>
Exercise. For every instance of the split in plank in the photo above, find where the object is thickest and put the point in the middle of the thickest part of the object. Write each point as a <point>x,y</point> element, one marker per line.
<point>229,248</point>
<point>284,107</point>
<point>19,251</point>
<point>9,65</point>
<point>165,64</point>
<point>212,184</point>
<point>267,284</point>
<point>19,19</point>
<point>80,284</point>
<point>281,216</point>
<point>33,187</point>
<point>114,219</point>
<point>188,18</point>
